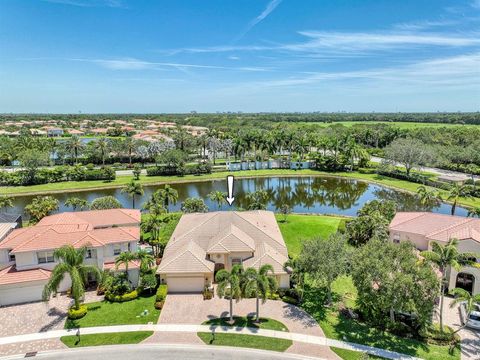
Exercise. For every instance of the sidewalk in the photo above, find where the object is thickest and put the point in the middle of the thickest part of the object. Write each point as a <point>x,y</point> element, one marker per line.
<point>174,328</point>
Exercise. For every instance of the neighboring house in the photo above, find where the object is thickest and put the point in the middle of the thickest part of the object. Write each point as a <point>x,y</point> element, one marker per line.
<point>422,228</point>
<point>202,244</point>
<point>26,254</point>
<point>53,131</point>
<point>76,132</point>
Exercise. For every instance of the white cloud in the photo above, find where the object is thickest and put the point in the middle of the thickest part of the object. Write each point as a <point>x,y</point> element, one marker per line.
<point>90,3</point>
<point>271,6</point>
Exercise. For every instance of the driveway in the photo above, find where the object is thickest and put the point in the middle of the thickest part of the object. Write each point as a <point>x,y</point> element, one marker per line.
<point>470,343</point>
<point>192,309</point>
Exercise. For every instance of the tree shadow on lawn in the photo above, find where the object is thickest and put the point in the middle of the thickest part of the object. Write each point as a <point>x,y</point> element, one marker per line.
<point>238,324</point>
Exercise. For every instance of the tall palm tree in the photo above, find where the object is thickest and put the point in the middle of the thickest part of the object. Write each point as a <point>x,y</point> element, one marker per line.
<point>125,258</point>
<point>169,196</point>
<point>230,283</point>
<point>471,212</point>
<point>428,197</point>
<point>355,151</point>
<point>457,192</point>
<point>132,189</point>
<point>259,283</point>
<point>219,197</point>
<point>463,296</point>
<point>70,261</point>
<point>129,145</point>
<point>74,144</point>
<point>146,259</point>
<point>103,145</point>
<point>445,257</point>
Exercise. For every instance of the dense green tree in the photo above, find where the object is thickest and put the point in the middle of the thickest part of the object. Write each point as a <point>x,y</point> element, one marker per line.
<point>76,203</point>
<point>410,153</point>
<point>6,202</point>
<point>105,203</point>
<point>40,207</point>
<point>194,205</point>
<point>71,263</point>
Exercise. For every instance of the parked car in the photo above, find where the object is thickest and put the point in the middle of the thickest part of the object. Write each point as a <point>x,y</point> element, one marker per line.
<point>473,320</point>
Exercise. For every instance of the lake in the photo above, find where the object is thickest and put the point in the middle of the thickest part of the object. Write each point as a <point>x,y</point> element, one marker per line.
<point>321,195</point>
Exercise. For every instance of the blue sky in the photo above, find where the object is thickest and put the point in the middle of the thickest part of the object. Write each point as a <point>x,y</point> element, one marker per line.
<point>243,55</point>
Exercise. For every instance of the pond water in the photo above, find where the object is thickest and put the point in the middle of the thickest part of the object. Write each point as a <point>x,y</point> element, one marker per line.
<point>321,195</point>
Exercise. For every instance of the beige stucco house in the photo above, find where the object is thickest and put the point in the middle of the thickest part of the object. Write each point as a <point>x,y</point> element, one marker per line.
<point>422,228</point>
<point>26,254</point>
<point>202,244</point>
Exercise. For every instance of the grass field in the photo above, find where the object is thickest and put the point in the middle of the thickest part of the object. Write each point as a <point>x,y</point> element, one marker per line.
<point>106,339</point>
<point>301,227</point>
<point>105,313</point>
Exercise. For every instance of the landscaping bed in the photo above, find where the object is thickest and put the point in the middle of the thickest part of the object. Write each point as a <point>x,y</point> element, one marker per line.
<point>133,337</point>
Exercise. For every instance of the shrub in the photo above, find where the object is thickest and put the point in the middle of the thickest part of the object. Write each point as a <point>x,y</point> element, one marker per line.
<point>290,300</point>
<point>121,298</point>
<point>159,305</point>
<point>161,293</point>
<point>74,314</point>
<point>273,296</point>
<point>433,335</point>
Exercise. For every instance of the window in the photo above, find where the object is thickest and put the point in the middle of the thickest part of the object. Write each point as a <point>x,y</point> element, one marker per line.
<point>11,257</point>
<point>89,254</point>
<point>117,250</point>
<point>396,238</point>
<point>236,261</point>
<point>45,257</point>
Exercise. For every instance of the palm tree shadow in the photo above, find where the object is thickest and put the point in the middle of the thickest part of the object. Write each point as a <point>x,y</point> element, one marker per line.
<point>59,316</point>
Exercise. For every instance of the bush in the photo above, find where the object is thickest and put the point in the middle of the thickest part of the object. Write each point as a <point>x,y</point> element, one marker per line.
<point>433,335</point>
<point>290,300</point>
<point>74,314</point>
<point>159,305</point>
<point>161,293</point>
<point>121,298</point>
<point>273,296</point>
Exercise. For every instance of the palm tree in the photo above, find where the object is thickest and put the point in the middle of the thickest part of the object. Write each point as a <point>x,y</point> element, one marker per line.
<point>445,257</point>
<point>169,196</point>
<point>219,197</point>
<point>132,189</point>
<point>463,296</point>
<point>355,151</point>
<point>146,259</point>
<point>76,203</point>
<point>74,144</point>
<point>129,146</point>
<point>125,258</point>
<point>456,192</point>
<point>297,275</point>
<point>260,283</point>
<point>70,261</point>
<point>6,202</point>
<point>229,283</point>
<point>428,197</point>
<point>103,145</point>
<point>471,212</point>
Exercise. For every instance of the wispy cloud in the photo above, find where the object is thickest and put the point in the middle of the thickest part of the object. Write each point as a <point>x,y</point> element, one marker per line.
<point>90,3</point>
<point>475,4</point>
<point>271,6</point>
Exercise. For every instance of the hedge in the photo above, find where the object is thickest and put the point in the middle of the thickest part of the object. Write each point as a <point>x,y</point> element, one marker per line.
<point>191,169</point>
<point>161,293</point>
<point>122,298</point>
<point>74,314</point>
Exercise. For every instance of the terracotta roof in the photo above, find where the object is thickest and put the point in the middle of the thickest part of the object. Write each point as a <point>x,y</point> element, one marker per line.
<point>198,235</point>
<point>96,228</point>
<point>437,227</point>
<point>10,275</point>
<point>111,265</point>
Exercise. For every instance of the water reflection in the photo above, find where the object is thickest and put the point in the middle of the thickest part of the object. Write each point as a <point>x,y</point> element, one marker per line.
<point>323,195</point>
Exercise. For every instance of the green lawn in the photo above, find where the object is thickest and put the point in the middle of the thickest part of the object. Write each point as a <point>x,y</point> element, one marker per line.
<point>301,227</point>
<point>241,322</point>
<point>134,337</point>
<point>337,327</point>
<point>246,341</point>
<point>105,313</point>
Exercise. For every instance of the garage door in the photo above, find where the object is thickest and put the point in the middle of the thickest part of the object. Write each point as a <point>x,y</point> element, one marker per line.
<point>185,284</point>
<point>21,294</point>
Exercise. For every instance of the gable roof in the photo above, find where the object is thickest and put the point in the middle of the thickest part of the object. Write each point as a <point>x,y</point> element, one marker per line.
<point>11,275</point>
<point>437,227</point>
<point>223,232</point>
<point>95,228</point>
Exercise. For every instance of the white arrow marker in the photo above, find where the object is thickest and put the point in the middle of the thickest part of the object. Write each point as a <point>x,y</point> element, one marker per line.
<point>230,197</point>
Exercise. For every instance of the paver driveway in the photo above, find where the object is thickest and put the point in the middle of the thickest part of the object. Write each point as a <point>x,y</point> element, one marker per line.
<point>470,343</point>
<point>192,309</point>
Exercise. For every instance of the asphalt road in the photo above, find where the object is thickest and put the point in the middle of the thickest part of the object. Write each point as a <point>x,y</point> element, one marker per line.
<point>163,352</point>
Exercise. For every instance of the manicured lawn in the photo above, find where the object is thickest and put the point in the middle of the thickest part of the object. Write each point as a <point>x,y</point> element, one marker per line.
<point>338,327</point>
<point>352,355</point>
<point>134,337</point>
<point>302,227</point>
<point>246,341</point>
<point>241,322</point>
<point>105,313</point>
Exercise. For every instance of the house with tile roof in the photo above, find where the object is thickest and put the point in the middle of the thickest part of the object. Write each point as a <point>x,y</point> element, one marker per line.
<point>26,254</point>
<point>423,228</point>
<point>204,243</point>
